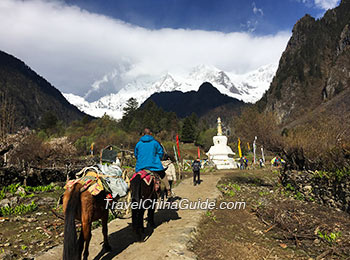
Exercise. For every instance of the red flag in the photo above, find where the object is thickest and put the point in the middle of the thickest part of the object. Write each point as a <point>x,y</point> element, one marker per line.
<point>199,153</point>
<point>178,145</point>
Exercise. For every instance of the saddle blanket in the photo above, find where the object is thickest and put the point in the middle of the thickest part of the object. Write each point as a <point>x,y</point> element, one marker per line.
<point>90,181</point>
<point>101,177</point>
<point>147,176</point>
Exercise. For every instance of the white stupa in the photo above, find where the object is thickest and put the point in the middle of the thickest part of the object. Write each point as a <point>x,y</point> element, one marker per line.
<point>220,151</point>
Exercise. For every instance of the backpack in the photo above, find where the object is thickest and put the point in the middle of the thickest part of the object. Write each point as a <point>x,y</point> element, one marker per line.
<point>196,166</point>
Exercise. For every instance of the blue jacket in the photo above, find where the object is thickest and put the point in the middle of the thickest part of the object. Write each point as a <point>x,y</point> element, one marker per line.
<point>148,153</point>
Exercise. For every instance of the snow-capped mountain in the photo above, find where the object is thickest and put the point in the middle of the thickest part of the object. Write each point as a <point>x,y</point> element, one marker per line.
<point>248,87</point>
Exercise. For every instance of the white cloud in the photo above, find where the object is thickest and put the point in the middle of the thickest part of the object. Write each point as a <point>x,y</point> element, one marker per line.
<point>74,49</point>
<point>257,10</point>
<point>320,4</point>
<point>326,4</point>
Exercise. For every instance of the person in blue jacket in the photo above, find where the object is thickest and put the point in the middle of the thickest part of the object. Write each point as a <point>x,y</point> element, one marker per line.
<point>149,153</point>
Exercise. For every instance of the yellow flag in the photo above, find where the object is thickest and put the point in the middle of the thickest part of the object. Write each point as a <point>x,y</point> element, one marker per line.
<point>248,146</point>
<point>239,148</point>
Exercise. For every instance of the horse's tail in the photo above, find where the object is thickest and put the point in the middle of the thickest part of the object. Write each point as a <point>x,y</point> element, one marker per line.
<point>70,245</point>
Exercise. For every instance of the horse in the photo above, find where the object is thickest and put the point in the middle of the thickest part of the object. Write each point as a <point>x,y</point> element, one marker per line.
<point>83,206</point>
<point>141,192</point>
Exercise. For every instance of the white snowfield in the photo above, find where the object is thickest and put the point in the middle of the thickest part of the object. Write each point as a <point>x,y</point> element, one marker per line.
<point>248,87</point>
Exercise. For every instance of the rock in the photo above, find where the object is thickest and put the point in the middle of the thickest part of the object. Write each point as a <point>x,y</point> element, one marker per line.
<point>46,201</point>
<point>307,188</point>
<point>14,201</point>
<point>20,190</point>
<point>5,203</point>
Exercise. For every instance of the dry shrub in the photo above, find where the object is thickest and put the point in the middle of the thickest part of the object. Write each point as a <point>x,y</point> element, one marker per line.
<point>30,149</point>
<point>60,149</point>
<point>323,143</point>
<point>251,123</point>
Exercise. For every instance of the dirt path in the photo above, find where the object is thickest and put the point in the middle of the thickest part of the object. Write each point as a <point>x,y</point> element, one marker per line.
<point>169,240</point>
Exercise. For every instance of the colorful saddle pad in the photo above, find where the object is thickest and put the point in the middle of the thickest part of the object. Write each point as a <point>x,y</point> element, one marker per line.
<point>90,181</point>
<point>147,176</point>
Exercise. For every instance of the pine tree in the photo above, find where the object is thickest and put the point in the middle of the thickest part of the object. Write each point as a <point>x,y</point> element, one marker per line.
<point>188,131</point>
<point>131,106</point>
<point>129,112</point>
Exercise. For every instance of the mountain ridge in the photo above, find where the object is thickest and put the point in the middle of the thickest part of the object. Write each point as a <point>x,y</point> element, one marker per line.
<point>199,102</point>
<point>314,67</point>
<point>248,87</point>
<point>31,95</point>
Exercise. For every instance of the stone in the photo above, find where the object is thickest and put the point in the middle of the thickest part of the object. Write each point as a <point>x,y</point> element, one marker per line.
<point>20,190</point>
<point>307,188</point>
<point>5,203</point>
<point>30,220</point>
<point>46,201</point>
<point>14,201</point>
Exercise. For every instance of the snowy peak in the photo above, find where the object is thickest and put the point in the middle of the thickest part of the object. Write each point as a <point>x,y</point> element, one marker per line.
<point>166,83</point>
<point>248,87</point>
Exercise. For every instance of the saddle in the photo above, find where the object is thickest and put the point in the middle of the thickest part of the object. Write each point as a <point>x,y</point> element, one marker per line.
<point>90,181</point>
<point>101,177</point>
<point>148,176</point>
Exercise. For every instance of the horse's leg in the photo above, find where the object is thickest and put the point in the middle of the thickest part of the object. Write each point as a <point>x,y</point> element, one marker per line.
<point>81,243</point>
<point>150,218</point>
<point>106,245</point>
<point>87,202</point>
<point>150,214</point>
<point>141,220</point>
<point>140,227</point>
<point>86,229</point>
<point>134,219</point>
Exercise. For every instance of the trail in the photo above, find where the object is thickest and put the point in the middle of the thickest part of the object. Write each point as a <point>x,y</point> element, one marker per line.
<point>168,240</point>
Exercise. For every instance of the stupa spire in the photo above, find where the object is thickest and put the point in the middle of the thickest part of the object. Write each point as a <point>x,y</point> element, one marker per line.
<point>219,127</point>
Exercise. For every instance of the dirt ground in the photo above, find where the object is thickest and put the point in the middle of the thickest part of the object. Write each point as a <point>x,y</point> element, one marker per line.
<point>24,235</point>
<point>168,240</point>
<point>274,225</point>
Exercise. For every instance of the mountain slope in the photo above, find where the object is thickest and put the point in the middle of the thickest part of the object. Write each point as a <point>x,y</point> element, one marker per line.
<point>31,95</point>
<point>315,66</point>
<point>200,102</point>
<point>248,87</point>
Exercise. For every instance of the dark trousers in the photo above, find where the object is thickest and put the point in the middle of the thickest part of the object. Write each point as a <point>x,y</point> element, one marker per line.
<point>196,177</point>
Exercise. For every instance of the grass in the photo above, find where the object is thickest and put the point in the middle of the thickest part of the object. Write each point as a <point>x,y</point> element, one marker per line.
<point>12,188</point>
<point>330,238</point>
<point>18,210</point>
<point>229,189</point>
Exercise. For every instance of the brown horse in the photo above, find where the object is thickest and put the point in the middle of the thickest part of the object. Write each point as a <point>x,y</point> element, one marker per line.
<point>140,192</point>
<point>86,208</point>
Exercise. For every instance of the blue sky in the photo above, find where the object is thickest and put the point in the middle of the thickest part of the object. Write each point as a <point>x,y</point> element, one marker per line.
<point>260,16</point>
<point>95,47</point>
